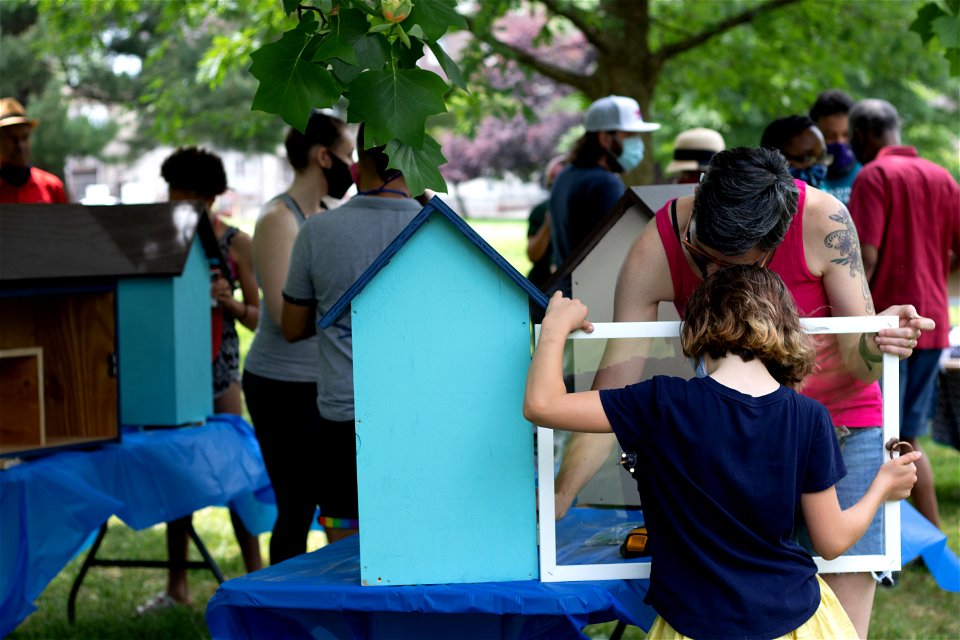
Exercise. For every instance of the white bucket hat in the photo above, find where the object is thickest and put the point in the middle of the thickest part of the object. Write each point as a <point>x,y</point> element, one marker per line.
<point>616,113</point>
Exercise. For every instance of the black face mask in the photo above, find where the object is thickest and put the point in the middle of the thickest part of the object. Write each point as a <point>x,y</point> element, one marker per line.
<point>17,176</point>
<point>338,178</point>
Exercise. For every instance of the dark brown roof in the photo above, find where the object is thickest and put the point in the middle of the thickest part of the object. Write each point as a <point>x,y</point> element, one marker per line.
<point>76,242</point>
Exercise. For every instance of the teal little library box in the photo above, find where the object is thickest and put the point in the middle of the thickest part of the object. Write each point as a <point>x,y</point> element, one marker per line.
<point>445,460</point>
<point>164,328</point>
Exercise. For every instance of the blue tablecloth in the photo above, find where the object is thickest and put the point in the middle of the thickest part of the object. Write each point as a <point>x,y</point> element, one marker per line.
<point>318,595</point>
<point>51,506</point>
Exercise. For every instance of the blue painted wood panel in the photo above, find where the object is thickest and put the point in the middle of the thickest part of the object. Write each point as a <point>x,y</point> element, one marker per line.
<point>441,341</point>
<point>164,346</point>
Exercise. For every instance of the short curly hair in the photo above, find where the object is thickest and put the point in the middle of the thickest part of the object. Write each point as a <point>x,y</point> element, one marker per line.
<point>747,311</point>
<point>195,169</point>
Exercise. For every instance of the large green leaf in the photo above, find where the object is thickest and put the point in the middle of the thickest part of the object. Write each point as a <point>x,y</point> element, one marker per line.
<point>291,84</point>
<point>350,24</point>
<point>947,29</point>
<point>448,65</point>
<point>407,54</point>
<point>420,167</point>
<point>395,104</point>
<point>373,51</point>
<point>923,24</point>
<point>335,46</point>
<point>343,72</point>
<point>435,17</point>
<point>289,6</point>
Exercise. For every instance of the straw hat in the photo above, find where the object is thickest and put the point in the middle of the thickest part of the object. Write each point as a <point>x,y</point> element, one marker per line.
<point>12,112</point>
<point>693,149</point>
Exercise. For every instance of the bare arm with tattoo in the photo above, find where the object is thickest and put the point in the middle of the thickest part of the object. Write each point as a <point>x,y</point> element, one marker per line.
<point>833,247</point>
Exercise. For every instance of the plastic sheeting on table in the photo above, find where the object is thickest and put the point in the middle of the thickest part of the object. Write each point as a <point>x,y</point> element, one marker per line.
<point>919,537</point>
<point>318,595</point>
<point>50,506</point>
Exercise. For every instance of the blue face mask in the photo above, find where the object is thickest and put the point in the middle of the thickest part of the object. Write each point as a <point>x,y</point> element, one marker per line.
<point>813,175</point>
<point>632,153</point>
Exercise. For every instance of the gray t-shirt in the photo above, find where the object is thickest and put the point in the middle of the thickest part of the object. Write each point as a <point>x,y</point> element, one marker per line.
<point>331,251</point>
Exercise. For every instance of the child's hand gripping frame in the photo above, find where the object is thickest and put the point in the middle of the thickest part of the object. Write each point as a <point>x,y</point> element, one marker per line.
<point>550,571</point>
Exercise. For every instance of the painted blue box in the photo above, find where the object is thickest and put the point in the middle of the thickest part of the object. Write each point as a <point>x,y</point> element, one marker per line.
<point>445,460</point>
<point>164,333</point>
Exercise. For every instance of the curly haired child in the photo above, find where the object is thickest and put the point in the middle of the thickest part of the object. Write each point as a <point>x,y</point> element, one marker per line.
<point>724,463</point>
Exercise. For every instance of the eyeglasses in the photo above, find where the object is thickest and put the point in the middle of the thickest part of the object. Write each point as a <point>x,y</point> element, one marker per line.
<point>824,158</point>
<point>703,259</point>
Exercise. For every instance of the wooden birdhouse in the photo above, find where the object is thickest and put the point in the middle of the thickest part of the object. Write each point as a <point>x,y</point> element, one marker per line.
<point>104,319</point>
<point>445,460</point>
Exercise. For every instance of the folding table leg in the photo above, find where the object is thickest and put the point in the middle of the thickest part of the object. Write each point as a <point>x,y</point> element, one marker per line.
<point>92,561</point>
<point>87,563</point>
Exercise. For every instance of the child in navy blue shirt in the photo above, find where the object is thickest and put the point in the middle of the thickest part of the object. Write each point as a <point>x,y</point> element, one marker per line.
<point>724,461</point>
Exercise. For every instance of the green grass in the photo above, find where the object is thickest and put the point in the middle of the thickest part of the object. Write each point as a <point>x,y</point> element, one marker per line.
<point>915,608</point>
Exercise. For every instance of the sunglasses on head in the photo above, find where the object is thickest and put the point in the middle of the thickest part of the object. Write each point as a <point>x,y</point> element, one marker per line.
<point>703,259</point>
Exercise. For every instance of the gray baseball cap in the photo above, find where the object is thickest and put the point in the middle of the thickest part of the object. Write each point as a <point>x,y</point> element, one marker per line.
<point>616,113</point>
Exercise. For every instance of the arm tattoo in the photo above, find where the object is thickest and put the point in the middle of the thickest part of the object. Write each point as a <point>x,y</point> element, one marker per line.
<point>848,244</point>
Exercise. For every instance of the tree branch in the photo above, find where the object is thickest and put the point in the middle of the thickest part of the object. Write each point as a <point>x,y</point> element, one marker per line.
<point>670,50</point>
<point>578,18</point>
<point>575,80</point>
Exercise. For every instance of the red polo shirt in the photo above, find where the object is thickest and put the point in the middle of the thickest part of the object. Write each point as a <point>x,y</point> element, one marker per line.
<point>42,187</point>
<point>909,208</point>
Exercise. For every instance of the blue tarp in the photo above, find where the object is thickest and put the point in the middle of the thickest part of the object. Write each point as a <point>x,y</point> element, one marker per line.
<point>50,506</point>
<point>319,595</point>
<point>918,537</point>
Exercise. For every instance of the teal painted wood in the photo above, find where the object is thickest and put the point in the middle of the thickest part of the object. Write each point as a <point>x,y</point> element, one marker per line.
<point>164,346</point>
<point>441,341</point>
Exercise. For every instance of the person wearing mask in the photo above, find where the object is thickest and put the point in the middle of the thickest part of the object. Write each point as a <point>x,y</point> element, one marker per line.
<point>749,209</point>
<point>692,151</point>
<point>831,115</point>
<point>801,143</point>
<point>280,378</point>
<point>591,185</point>
<point>197,174</point>
<point>331,251</point>
<point>907,212</point>
<point>21,183</point>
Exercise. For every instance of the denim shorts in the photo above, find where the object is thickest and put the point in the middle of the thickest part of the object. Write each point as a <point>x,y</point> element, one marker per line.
<point>863,455</point>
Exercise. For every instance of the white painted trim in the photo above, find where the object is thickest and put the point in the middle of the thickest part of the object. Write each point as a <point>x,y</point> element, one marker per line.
<point>550,571</point>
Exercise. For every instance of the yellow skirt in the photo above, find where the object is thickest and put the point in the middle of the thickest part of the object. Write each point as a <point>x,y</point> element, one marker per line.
<point>830,621</point>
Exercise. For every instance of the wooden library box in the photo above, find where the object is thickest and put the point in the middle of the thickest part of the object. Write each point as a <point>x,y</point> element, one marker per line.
<point>67,272</point>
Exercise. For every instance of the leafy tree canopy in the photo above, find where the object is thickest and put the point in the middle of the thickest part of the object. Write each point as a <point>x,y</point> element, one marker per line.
<point>184,86</point>
<point>733,65</point>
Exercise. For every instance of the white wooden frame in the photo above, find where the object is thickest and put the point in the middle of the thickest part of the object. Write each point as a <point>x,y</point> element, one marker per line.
<point>550,571</point>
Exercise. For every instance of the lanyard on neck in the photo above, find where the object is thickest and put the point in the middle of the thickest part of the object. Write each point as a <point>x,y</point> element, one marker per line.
<point>383,188</point>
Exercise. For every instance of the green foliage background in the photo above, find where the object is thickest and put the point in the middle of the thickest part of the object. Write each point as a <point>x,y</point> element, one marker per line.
<point>195,86</point>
